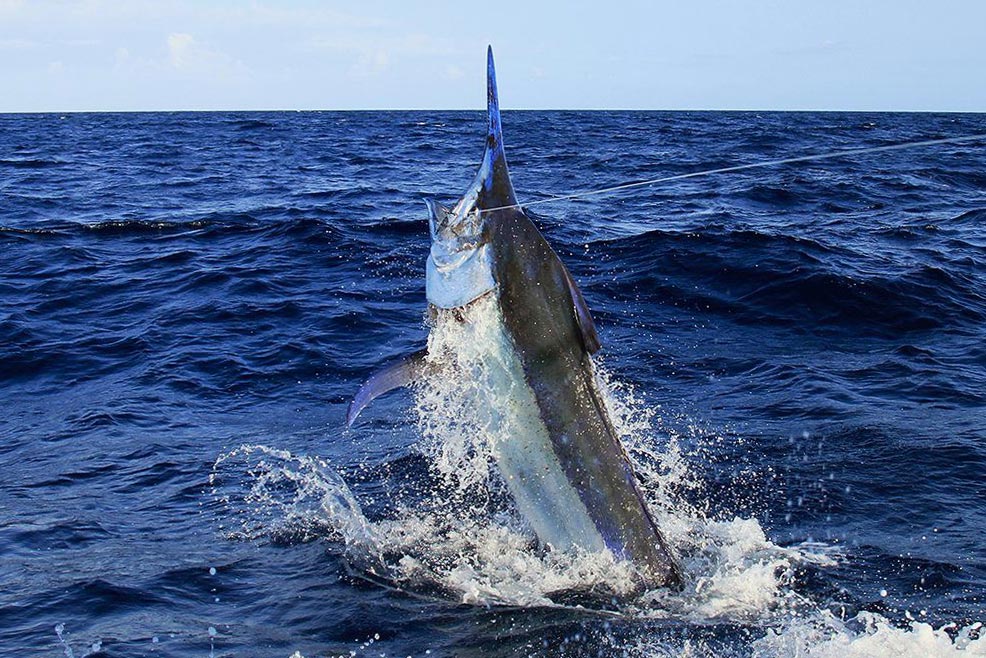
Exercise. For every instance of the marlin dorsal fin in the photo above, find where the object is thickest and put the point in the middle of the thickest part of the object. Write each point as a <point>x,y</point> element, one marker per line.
<point>495,189</point>
<point>491,188</point>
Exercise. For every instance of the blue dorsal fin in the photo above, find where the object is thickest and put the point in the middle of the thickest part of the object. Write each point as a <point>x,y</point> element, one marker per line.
<point>491,188</point>
<point>497,190</point>
<point>494,133</point>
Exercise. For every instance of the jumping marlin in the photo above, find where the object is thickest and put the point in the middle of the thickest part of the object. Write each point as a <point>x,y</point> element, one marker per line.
<point>566,471</point>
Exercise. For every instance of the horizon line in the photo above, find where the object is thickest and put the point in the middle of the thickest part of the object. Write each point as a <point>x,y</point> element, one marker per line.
<point>482,110</point>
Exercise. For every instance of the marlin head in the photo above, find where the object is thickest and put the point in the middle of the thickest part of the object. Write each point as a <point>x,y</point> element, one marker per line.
<point>459,269</point>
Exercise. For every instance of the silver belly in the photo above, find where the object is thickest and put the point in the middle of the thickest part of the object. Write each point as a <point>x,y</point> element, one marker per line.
<point>509,424</point>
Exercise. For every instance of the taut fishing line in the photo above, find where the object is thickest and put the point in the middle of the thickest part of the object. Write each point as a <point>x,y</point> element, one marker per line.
<point>754,165</point>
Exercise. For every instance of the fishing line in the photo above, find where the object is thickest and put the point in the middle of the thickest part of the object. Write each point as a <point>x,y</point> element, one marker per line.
<point>754,165</point>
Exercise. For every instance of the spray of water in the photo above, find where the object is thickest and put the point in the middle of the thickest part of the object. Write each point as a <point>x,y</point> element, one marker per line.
<point>460,533</point>
<point>459,537</point>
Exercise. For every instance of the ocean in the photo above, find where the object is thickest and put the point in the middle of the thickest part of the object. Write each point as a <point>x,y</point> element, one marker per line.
<point>796,356</point>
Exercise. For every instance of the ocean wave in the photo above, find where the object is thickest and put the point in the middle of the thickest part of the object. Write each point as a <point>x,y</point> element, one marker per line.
<point>252,124</point>
<point>805,341</point>
<point>761,277</point>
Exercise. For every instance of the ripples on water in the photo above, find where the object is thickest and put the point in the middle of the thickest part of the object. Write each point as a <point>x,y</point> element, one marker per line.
<point>189,300</point>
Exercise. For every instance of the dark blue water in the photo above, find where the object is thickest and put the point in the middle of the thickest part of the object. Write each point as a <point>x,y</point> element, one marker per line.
<point>174,286</point>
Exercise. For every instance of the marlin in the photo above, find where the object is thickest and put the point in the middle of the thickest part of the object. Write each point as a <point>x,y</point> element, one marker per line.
<point>562,462</point>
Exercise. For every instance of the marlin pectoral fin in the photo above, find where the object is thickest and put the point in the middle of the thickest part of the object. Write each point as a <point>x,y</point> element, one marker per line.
<point>590,339</point>
<point>402,373</point>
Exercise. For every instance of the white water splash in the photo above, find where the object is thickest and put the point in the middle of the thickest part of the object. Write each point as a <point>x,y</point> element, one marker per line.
<point>92,650</point>
<point>459,536</point>
<point>271,493</point>
<point>869,635</point>
<point>463,538</point>
<point>452,410</point>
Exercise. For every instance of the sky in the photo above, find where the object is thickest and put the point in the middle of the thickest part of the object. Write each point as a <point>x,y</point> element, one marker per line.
<point>113,55</point>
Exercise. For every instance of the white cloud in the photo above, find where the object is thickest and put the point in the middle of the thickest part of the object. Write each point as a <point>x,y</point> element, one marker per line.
<point>371,63</point>
<point>373,54</point>
<point>10,6</point>
<point>81,43</point>
<point>417,44</point>
<point>179,45</point>
<point>267,14</point>
<point>188,56</point>
<point>126,63</point>
<point>49,44</point>
<point>17,44</point>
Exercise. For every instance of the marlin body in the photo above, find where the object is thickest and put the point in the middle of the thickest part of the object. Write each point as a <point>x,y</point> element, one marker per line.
<point>559,453</point>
